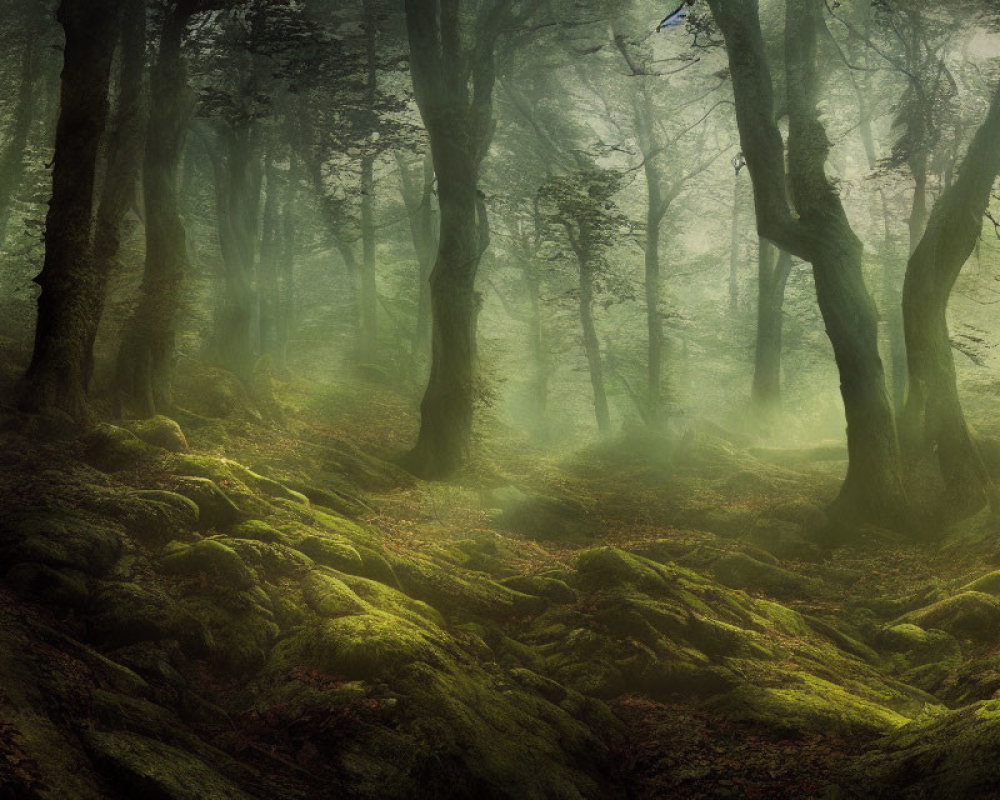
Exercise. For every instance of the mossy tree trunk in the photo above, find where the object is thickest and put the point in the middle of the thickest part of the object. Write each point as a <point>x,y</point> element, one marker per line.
<point>822,235</point>
<point>453,78</point>
<point>145,359</point>
<point>933,418</point>
<point>124,159</point>
<point>71,293</point>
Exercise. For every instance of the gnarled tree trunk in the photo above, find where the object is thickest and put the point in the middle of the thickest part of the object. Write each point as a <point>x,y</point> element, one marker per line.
<point>933,416</point>
<point>821,234</point>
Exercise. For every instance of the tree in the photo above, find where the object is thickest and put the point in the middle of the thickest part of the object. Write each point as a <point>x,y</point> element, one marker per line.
<point>453,69</point>
<point>145,359</point>
<point>821,234</point>
<point>933,413</point>
<point>71,292</point>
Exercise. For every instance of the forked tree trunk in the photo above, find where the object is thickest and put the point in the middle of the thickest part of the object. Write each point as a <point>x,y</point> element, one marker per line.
<point>56,379</point>
<point>145,360</point>
<point>822,235</point>
<point>933,417</point>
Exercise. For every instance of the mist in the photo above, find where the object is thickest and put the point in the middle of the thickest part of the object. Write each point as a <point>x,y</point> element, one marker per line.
<point>499,398</point>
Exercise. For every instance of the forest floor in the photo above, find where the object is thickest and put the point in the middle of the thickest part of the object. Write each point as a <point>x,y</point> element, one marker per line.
<point>249,600</point>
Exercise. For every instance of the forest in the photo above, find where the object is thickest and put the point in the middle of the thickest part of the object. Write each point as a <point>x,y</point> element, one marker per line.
<point>499,399</point>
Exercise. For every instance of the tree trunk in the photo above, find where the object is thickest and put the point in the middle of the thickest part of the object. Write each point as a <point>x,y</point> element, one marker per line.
<point>70,291</point>
<point>453,86</point>
<point>145,360</point>
<point>734,248</point>
<point>420,212</point>
<point>124,148</point>
<point>238,185</point>
<point>287,301</point>
<point>773,270</point>
<point>12,157</point>
<point>822,235</point>
<point>267,265</point>
<point>933,416</point>
<point>369,291</point>
<point>592,346</point>
<point>654,323</point>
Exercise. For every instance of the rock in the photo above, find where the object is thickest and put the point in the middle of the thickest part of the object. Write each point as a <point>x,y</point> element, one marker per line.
<point>160,431</point>
<point>138,766</point>
<point>988,583</point>
<point>604,567</point>
<point>331,551</point>
<point>211,558</point>
<point>215,509</point>
<point>259,531</point>
<point>62,541</point>
<point>330,597</point>
<point>972,616</point>
<point>552,589</point>
<point>110,449</point>
<point>539,684</point>
<point>42,583</point>
<point>740,571</point>
<point>122,614</point>
<point>161,516</point>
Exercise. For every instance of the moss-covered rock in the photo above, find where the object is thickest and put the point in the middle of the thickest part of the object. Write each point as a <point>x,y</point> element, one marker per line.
<point>160,516</point>
<point>552,589</point>
<point>329,596</point>
<point>258,530</point>
<point>331,551</point>
<point>210,558</point>
<point>125,613</point>
<point>110,448</point>
<point>60,541</point>
<point>988,583</point>
<point>42,583</point>
<point>741,571</point>
<point>215,508</point>
<point>160,431</point>
<point>138,766</point>
<point>969,615</point>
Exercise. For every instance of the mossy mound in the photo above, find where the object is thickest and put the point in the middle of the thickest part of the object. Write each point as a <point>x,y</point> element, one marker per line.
<point>970,615</point>
<point>210,558</point>
<point>160,431</point>
<point>215,508</point>
<point>110,448</point>
<point>60,541</point>
<point>741,571</point>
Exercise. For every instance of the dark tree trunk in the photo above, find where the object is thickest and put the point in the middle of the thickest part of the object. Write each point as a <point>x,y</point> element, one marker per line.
<point>453,85</point>
<point>70,290</point>
<point>287,301</point>
<point>933,416</point>
<point>124,158</point>
<point>822,235</point>
<point>591,345</point>
<point>267,266</point>
<point>25,111</point>
<point>145,360</point>
<point>238,185</point>
<point>773,269</point>
<point>420,211</point>
<point>654,323</point>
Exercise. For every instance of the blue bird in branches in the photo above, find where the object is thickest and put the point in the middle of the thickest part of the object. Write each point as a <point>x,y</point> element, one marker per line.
<point>675,17</point>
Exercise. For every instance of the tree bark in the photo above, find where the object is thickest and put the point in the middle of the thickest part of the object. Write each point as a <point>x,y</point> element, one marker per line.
<point>773,270</point>
<point>420,212</point>
<point>369,292</point>
<point>933,416</point>
<point>654,323</point>
<point>822,235</point>
<point>145,359</point>
<point>453,85</point>
<point>124,159</point>
<point>25,112</point>
<point>591,345</point>
<point>70,290</point>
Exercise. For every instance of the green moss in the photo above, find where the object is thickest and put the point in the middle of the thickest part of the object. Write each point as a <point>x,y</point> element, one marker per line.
<point>740,571</point>
<point>42,583</point>
<point>138,766</point>
<point>211,558</point>
<point>109,448</point>
<point>968,615</point>
<point>331,551</point>
<point>60,542</point>
<point>258,530</point>
<point>603,567</point>
<point>988,583</point>
<point>330,597</point>
<point>160,431</point>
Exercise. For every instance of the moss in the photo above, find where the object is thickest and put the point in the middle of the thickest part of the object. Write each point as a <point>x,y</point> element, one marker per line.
<point>138,766</point>
<point>386,598</point>
<point>109,448</point>
<point>808,703</point>
<point>988,583</point>
<point>331,551</point>
<point>552,589</point>
<point>740,571</point>
<point>330,597</point>
<point>969,615</point>
<point>211,558</point>
<point>125,613</point>
<point>60,542</point>
<point>215,508</point>
<point>239,639</point>
<point>161,515</point>
<point>41,583</point>
<point>160,431</point>
<point>361,646</point>
<point>603,567</point>
<point>258,530</point>
<point>270,559</point>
